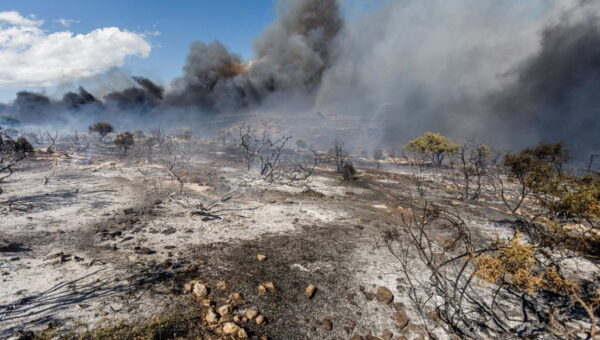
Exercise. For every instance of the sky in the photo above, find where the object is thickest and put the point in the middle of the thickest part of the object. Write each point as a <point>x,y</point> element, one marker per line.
<point>167,27</point>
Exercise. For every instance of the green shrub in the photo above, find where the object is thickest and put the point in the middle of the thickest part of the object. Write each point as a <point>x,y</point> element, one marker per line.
<point>434,145</point>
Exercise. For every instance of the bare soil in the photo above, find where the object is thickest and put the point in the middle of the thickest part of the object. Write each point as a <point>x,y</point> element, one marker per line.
<point>109,238</point>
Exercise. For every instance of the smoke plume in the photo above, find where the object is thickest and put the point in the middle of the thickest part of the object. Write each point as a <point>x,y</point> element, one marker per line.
<point>291,55</point>
<point>509,73</point>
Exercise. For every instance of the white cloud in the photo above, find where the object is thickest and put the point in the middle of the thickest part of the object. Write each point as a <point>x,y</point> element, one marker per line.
<point>67,22</point>
<point>30,56</point>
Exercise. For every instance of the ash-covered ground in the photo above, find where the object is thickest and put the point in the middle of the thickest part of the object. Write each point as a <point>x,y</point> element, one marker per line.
<point>94,236</point>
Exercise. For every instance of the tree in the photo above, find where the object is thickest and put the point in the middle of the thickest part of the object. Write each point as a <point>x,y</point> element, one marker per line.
<point>434,145</point>
<point>124,141</point>
<point>102,128</point>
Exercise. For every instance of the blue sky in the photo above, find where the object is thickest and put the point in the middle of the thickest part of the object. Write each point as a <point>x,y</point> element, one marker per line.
<point>236,23</point>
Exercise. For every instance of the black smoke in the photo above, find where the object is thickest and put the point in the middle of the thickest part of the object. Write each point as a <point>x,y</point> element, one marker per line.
<point>143,97</point>
<point>557,92</point>
<point>291,56</point>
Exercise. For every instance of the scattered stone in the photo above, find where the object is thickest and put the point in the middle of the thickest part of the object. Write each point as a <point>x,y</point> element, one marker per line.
<point>370,337</point>
<point>236,296</point>
<point>200,290</point>
<point>261,258</point>
<point>242,334</point>
<point>357,337</point>
<point>387,334</point>
<point>250,314</point>
<point>224,310</point>
<point>128,211</point>
<point>169,231</point>
<point>327,325</point>
<point>230,328</point>
<point>187,288</point>
<point>222,286</point>
<point>211,316</point>
<point>434,315</point>
<point>259,320</point>
<point>237,319</point>
<point>144,251</point>
<point>384,295</point>
<point>262,290</point>
<point>270,286</point>
<point>309,292</point>
<point>401,317</point>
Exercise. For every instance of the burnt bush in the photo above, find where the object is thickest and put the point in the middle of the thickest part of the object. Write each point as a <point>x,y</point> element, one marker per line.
<point>124,141</point>
<point>101,128</point>
<point>348,171</point>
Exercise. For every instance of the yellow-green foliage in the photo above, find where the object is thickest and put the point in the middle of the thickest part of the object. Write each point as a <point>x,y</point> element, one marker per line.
<point>540,169</point>
<point>434,145</point>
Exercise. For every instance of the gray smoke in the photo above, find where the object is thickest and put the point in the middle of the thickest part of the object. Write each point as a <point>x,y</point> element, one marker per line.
<point>142,97</point>
<point>556,95</point>
<point>509,73</point>
<point>291,56</point>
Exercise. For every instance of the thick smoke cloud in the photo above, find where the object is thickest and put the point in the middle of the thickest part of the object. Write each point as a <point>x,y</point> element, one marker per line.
<point>508,73</point>
<point>557,91</point>
<point>291,55</point>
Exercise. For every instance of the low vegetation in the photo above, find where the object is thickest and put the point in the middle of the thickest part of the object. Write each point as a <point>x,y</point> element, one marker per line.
<point>434,145</point>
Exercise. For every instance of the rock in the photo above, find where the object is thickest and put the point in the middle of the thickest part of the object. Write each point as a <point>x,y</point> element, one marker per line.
<point>169,231</point>
<point>262,290</point>
<point>222,286</point>
<point>261,258</point>
<point>237,319</point>
<point>211,316</point>
<point>264,337</point>
<point>230,328</point>
<point>200,290</point>
<point>144,251</point>
<point>387,334</point>
<point>309,292</point>
<point>250,314</point>
<point>236,296</point>
<point>187,288</point>
<point>454,203</point>
<point>401,317</point>
<point>370,337</point>
<point>224,310</point>
<point>327,325</point>
<point>259,320</point>
<point>357,337</point>
<point>270,287</point>
<point>384,295</point>
<point>242,334</point>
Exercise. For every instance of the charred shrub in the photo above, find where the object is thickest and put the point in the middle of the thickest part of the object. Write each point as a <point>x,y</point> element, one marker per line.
<point>124,141</point>
<point>20,145</point>
<point>101,128</point>
<point>348,171</point>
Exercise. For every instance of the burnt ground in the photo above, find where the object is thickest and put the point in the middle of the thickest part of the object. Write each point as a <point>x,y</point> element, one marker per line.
<point>109,238</point>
